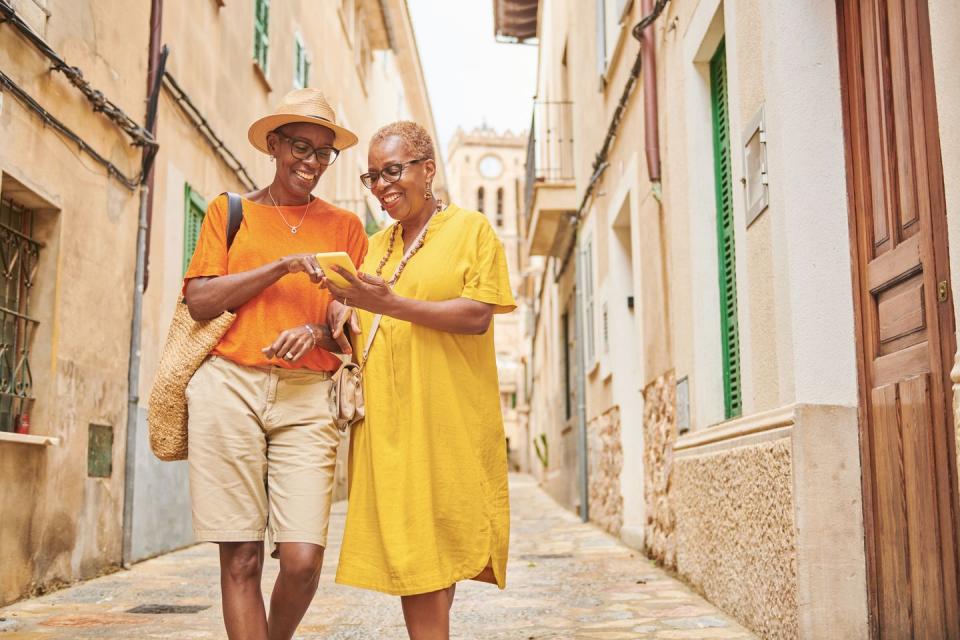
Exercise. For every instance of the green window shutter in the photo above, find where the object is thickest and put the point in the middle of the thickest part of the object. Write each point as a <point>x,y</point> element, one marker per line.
<point>729,331</point>
<point>194,209</point>
<point>261,29</point>
<point>301,64</point>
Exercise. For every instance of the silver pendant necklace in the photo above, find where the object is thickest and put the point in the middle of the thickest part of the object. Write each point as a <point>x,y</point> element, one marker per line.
<point>293,228</point>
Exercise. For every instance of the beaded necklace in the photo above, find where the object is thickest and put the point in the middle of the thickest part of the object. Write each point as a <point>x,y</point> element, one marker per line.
<point>417,244</point>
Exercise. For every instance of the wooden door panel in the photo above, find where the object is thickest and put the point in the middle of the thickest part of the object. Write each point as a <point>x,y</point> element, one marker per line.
<point>904,330</point>
<point>921,499</point>
<point>874,117</point>
<point>891,511</point>
<point>901,315</point>
<point>898,263</point>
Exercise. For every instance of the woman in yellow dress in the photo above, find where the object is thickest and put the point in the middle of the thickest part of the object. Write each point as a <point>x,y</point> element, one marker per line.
<point>428,495</point>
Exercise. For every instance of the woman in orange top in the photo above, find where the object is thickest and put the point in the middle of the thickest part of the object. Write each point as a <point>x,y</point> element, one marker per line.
<point>262,444</point>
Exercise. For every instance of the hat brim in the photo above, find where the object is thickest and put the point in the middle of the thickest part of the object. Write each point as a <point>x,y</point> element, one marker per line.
<point>257,134</point>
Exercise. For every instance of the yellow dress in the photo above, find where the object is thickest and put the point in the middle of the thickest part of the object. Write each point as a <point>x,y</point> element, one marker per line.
<point>428,497</point>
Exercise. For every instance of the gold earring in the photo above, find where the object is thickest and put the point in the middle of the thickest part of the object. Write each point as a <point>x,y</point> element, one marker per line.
<point>272,158</point>
<point>428,193</point>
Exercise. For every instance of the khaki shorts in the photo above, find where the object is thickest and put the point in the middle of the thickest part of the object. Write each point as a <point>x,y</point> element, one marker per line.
<point>262,453</point>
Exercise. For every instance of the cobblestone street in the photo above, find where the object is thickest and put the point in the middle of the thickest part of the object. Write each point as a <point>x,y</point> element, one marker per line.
<point>565,580</point>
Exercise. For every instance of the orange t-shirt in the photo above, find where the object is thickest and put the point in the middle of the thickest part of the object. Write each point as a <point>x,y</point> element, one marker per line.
<point>292,301</point>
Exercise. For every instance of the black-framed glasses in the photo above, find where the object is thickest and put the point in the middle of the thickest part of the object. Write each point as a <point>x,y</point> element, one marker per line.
<point>390,173</point>
<point>302,150</point>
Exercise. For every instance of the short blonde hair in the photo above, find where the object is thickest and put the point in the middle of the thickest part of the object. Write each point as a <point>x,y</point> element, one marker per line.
<point>414,136</point>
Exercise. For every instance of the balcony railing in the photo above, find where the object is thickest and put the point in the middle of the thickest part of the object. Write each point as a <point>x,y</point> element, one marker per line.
<point>549,148</point>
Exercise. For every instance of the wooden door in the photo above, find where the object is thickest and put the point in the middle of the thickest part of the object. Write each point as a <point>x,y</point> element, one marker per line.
<point>905,329</point>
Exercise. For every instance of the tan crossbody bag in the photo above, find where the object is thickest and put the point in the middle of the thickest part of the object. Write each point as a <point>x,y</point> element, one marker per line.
<point>346,392</point>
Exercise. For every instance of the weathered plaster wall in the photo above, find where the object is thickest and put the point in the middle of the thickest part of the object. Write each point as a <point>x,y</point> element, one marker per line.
<point>57,524</point>
<point>660,433</point>
<point>735,533</point>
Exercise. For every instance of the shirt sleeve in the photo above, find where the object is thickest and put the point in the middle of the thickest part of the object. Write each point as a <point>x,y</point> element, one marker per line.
<point>210,256</point>
<point>488,278</point>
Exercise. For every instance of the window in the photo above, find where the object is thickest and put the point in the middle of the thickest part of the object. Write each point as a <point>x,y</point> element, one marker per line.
<point>601,16</point>
<point>20,252</point>
<point>605,328</point>
<point>301,64</point>
<point>566,349</point>
<point>499,207</point>
<point>729,330</point>
<point>363,57</point>
<point>480,199</point>
<point>348,14</point>
<point>261,30</point>
<point>194,209</point>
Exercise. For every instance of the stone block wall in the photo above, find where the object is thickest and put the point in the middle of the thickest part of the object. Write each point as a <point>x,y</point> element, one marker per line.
<point>660,433</point>
<point>605,465</point>
<point>736,536</point>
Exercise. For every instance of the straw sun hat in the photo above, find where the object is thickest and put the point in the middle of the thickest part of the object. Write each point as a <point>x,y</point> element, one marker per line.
<point>301,105</point>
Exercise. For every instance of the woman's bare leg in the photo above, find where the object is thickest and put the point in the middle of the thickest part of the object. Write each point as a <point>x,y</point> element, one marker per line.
<point>241,566</point>
<point>428,614</point>
<point>296,585</point>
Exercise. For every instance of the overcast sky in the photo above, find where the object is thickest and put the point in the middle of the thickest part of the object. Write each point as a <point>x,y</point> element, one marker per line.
<point>471,78</point>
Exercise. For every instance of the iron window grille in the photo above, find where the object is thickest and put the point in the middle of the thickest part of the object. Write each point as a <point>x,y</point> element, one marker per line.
<point>20,256</point>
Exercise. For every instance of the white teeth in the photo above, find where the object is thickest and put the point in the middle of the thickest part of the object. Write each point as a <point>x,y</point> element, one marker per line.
<point>393,197</point>
<point>305,176</point>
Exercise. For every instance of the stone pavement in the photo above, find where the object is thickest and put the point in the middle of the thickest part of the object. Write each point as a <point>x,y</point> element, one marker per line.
<point>565,580</point>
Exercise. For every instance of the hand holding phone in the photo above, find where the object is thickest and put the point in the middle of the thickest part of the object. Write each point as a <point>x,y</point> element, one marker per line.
<point>340,259</point>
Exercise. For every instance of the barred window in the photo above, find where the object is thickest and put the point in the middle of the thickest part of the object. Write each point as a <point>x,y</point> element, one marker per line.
<point>20,254</point>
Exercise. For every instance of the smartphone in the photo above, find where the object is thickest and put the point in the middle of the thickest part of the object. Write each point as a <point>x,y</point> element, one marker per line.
<point>340,259</point>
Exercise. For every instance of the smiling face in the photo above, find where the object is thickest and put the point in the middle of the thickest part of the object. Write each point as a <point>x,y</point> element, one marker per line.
<point>298,177</point>
<point>403,199</point>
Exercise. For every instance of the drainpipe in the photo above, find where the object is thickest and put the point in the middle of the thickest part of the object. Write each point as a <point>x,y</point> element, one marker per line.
<point>651,124</point>
<point>581,391</point>
<point>157,61</point>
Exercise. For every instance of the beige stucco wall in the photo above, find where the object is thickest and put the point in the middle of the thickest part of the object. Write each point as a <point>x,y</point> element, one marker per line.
<point>56,523</point>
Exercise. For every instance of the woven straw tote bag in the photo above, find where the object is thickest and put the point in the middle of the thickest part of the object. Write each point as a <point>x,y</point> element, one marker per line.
<point>188,343</point>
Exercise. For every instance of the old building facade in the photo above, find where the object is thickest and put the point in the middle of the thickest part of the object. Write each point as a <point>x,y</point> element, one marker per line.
<point>68,228</point>
<point>486,173</point>
<point>744,328</point>
<point>83,492</point>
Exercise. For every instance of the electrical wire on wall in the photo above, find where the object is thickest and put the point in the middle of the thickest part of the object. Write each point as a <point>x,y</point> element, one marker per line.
<point>130,182</point>
<point>101,104</point>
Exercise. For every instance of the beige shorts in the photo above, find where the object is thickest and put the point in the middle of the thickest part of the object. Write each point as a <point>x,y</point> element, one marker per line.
<point>262,453</point>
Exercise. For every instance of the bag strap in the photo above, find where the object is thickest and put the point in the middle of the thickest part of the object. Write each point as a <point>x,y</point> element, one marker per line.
<point>373,331</point>
<point>234,216</point>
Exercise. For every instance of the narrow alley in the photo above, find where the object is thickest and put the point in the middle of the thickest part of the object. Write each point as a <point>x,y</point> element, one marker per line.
<point>565,579</point>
